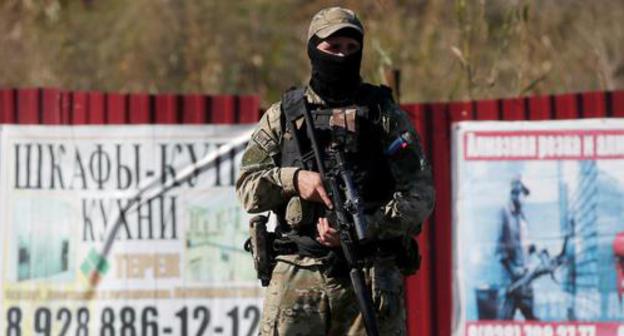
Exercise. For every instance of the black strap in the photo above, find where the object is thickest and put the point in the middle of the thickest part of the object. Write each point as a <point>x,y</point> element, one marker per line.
<point>300,245</point>
<point>293,107</point>
<point>308,247</point>
<point>369,94</point>
<point>294,104</point>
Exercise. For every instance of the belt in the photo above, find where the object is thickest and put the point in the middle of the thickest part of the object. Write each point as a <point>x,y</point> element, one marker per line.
<point>308,247</point>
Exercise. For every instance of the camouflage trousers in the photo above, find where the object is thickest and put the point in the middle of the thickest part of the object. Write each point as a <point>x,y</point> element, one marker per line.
<point>302,300</point>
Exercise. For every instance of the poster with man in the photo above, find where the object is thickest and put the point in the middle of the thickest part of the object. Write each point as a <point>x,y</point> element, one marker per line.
<point>539,228</point>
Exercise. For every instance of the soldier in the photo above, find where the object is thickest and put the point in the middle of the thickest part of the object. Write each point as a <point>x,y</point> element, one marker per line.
<point>310,292</point>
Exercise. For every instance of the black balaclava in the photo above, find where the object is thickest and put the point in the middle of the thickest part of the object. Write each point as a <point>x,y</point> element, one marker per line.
<point>335,78</point>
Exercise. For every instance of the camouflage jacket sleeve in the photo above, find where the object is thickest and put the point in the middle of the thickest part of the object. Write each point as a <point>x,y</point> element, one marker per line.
<point>414,196</point>
<point>262,185</point>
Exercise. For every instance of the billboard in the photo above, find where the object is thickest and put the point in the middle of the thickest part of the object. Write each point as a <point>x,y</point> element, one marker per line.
<point>101,236</point>
<point>538,228</point>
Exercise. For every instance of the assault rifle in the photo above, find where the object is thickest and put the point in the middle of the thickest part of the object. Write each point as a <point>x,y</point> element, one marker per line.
<point>348,212</point>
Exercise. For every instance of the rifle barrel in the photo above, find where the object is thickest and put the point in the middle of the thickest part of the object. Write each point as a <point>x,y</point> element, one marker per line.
<point>365,303</point>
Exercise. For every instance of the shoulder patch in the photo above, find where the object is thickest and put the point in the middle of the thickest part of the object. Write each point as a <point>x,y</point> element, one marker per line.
<point>265,141</point>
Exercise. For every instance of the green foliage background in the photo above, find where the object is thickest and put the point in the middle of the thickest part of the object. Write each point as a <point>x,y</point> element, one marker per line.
<point>446,49</point>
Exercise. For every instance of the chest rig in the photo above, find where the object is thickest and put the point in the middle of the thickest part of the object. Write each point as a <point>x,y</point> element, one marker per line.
<point>362,134</point>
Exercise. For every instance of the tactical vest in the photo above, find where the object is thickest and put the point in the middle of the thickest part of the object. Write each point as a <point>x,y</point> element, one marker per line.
<point>370,166</point>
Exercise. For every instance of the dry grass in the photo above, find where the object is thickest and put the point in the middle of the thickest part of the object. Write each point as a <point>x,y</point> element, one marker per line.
<point>446,50</point>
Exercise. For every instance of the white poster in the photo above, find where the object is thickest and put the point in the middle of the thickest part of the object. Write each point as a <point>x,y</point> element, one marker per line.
<point>93,245</point>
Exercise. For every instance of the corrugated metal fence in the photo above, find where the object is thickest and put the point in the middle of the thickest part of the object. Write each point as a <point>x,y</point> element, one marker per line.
<point>54,107</point>
<point>429,293</point>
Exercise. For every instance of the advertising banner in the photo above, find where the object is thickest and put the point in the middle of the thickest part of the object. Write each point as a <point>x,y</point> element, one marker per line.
<point>99,238</point>
<point>538,228</point>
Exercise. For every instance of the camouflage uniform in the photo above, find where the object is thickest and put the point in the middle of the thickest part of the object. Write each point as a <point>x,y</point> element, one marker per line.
<point>302,299</point>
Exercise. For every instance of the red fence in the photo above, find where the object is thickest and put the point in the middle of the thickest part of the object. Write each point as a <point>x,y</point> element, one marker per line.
<point>429,293</point>
<point>53,106</point>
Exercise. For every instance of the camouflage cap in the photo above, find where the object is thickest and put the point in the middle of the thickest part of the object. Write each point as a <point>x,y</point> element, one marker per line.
<point>330,20</point>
